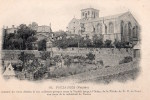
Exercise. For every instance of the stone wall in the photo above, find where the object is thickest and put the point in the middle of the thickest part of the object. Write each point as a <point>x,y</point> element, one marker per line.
<point>109,56</point>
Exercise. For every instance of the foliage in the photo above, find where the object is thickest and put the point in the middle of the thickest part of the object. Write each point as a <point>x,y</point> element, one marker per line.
<point>90,56</point>
<point>25,57</point>
<point>97,41</point>
<point>45,55</point>
<point>19,40</point>
<point>68,61</point>
<point>57,58</point>
<point>126,60</point>
<point>120,44</point>
<point>40,73</point>
<point>42,45</point>
<point>108,43</point>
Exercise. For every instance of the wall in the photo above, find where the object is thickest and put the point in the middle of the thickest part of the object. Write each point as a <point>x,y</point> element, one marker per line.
<point>110,56</point>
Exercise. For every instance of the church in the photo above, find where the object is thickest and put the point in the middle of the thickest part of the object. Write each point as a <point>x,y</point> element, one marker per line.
<point>121,27</point>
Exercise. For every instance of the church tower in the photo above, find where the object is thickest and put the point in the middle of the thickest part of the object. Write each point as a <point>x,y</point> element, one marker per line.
<point>89,13</point>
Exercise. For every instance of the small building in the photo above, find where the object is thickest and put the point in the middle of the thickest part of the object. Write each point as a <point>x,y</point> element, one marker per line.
<point>9,72</point>
<point>136,50</point>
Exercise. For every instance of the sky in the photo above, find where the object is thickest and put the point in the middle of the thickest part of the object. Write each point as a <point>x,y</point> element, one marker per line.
<point>57,12</point>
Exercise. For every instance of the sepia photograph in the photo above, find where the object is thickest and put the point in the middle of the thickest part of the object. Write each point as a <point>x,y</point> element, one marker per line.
<point>82,43</point>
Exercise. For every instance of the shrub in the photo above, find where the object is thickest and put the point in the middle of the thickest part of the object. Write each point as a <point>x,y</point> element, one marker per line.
<point>90,56</point>
<point>107,66</point>
<point>126,60</point>
<point>108,43</point>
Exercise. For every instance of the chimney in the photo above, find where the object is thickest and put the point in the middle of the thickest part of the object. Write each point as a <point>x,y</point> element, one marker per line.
<point>6,27</point>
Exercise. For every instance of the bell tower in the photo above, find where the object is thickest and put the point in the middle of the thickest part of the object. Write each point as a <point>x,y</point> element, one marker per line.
<point>89,13</point>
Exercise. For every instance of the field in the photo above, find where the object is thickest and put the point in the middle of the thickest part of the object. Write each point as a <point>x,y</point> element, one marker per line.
<point>121,73</point>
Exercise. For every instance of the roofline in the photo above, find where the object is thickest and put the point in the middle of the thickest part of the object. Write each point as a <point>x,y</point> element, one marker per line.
<point>89,8</point>
<point>11,28</point>
<point>43,26</point>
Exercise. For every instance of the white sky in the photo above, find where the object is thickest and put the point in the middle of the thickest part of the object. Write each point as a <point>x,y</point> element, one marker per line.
<point>57,12</point>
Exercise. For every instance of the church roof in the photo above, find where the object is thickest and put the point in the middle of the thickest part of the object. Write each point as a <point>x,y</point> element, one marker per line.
<point>89,9</point>
<point>105,17</point>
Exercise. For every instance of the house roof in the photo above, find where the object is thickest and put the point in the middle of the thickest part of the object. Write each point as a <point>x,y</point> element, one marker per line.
<point>9,71</point>
<point>137,46</point>
<point>44,29</point>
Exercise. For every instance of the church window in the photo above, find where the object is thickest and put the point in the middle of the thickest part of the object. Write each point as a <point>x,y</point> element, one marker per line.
<point>126,32</point>
<point>122,31</point>
<point>129,30</point>
<point>99,28</point>
<point>106,29</point>
<point>111,27</point>
<point>135,31</point>
<point>94,14</point>
<point>83,14</point>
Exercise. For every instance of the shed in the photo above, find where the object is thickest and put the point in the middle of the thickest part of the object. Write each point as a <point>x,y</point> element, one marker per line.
<point>136,50</point>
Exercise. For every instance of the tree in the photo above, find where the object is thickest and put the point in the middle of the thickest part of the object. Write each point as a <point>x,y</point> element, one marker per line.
<point>45,55</point>
<point>30,41</point>
<point>42,45</point>
<point>25,32</point>
<point>25,57</point>
<point>97,41</point>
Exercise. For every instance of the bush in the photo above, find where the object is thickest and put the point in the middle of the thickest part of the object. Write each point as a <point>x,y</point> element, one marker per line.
<point>90,56</point>
<point>108,44</point>
<point>100,62</point>
<point>126,60</point>
<point>107,66</point>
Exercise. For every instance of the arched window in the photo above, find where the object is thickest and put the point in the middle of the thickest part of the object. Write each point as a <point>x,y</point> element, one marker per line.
<point>130,31</point>
<point>126,32</point>
<point>99,28</point>
<point>82,13</point>
<point>111,27</point>
<point>85,15</point>
<point>135,31</point>
<point>122,30</point>
<point>105,29</point>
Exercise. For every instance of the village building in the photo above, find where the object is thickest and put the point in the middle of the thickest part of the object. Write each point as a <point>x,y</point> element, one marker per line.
<point>120,27</point>
<point>12,29</point>
<point>44,32</point>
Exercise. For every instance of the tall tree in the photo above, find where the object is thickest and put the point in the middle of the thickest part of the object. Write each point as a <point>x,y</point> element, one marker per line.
<point>25,32</point>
